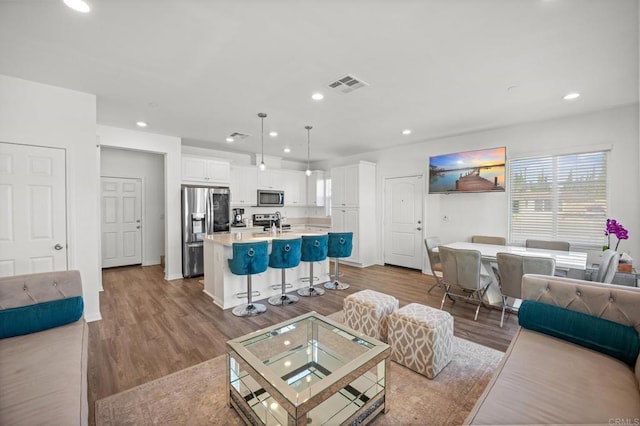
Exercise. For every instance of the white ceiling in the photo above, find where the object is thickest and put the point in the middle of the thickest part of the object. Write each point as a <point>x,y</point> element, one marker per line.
<point>203,69</point>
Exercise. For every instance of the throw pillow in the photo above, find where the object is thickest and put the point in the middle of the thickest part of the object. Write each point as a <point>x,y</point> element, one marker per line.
<point>40,316</point>
<point>611,338</point>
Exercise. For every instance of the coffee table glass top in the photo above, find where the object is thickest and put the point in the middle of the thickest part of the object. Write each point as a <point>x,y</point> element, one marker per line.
<point>305,358</point>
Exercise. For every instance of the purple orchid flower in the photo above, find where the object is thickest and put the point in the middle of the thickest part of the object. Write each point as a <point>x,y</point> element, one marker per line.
<point>614,228</point>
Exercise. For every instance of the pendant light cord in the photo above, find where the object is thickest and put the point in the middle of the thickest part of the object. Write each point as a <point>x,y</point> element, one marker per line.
<point>308,145</point>
<point>262,116</point>
<point>308,172</point>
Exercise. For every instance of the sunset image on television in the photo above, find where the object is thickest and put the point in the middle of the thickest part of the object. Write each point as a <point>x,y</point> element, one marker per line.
<point>470,171</point>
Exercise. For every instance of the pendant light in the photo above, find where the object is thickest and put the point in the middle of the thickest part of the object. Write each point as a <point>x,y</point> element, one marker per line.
<point>308,171</point>
<point>262,116</point>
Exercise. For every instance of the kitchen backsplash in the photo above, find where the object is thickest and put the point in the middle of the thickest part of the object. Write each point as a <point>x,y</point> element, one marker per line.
<point>289,212</point>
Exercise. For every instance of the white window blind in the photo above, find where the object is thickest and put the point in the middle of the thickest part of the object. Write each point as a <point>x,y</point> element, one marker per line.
<point>560,197</point>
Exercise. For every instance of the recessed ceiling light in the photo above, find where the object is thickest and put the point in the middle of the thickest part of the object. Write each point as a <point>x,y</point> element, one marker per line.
<point>406,132</point>
<point>570,96</point>
<point>78,5</point>
<point>317,96</point>
<point>229,139</point>
<point>273,134</point>
<point>287,150</point>
<point>141,124</point>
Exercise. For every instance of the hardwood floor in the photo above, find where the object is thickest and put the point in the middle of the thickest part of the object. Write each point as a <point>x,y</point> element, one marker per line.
<point>152,327</point>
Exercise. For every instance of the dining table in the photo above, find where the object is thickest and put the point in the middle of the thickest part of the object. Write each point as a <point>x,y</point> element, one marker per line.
<point>567,262</point>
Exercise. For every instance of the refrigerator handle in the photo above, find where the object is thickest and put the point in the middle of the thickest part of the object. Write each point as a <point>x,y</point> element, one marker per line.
<point>209,212</point>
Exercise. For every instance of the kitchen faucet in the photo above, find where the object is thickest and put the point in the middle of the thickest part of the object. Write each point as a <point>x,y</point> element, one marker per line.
<point>279,221</point>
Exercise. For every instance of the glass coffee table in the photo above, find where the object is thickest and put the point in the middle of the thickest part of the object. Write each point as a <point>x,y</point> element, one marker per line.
<point>309,370</point>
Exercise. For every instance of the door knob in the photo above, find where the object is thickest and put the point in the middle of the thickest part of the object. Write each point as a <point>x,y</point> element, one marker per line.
<point>58,247</point>
<point>138,227</point>
<point>419,228</point>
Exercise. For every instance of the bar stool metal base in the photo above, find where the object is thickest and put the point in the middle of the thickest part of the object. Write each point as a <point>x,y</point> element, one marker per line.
<point>279,286</point>
<point>310,292</point>
<point>282,300</point>
<point>249,310</point>
<point>336,285</point>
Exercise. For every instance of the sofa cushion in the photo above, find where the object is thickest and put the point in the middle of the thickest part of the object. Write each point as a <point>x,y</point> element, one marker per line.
<point>43,377</point>
<point>611,338</point>
<point>546,380</point>
<point>40,316</point>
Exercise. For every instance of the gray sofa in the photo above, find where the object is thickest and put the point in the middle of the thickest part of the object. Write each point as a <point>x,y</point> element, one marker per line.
<point>544,379</point>
<point>43,374</point>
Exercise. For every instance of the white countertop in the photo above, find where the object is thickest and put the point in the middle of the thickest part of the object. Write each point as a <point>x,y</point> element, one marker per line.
<point>247,237</point>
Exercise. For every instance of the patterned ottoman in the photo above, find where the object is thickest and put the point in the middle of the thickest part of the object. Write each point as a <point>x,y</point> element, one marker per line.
<point>366,311</point>
<point>421,338</point>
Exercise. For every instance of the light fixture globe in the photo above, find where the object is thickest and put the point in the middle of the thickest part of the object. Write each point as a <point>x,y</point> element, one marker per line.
<point>262,116</point>
<point>308,171</point>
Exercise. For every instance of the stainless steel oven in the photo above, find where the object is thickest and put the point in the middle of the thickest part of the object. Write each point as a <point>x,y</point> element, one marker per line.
<point>270,198</point>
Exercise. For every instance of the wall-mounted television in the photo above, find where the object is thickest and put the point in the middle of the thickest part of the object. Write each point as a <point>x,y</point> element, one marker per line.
<point>470,171</point>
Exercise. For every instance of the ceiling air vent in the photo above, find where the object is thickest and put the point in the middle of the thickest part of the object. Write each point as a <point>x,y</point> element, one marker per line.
<point>238,135</point>
<point>347,84</point>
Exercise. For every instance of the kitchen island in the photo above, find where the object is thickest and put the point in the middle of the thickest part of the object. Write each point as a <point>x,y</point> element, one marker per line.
<point>223,286</point>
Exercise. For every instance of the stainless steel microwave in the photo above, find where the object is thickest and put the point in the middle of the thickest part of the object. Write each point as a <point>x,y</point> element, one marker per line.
<point>270,198</point>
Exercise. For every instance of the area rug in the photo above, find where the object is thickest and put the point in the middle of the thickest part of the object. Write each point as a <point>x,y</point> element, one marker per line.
<point>196,395</point>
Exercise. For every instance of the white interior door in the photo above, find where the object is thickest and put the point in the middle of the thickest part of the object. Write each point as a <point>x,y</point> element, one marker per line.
<point>403,221</point>
<point>121,221</point>
<point>33,231</point>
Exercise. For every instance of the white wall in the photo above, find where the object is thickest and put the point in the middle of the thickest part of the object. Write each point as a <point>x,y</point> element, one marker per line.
<point>148,167</point>
<point>169,147</point>
<point>487,213</point>
<point>38,114</point>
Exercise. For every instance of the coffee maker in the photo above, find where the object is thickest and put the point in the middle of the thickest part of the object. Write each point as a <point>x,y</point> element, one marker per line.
<point>237,217</point>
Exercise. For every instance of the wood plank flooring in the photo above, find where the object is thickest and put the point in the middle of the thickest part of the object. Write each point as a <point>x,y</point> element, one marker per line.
<point>152,327</point>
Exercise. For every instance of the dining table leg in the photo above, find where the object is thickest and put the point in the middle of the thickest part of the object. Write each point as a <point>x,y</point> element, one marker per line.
<point>493,295</point>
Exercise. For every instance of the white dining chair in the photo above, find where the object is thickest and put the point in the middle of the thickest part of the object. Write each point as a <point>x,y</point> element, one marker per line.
<point>608,266</point>
<point>485,239</point>
<point>548,245</point>
<point>461,270</point>
<point>511,268</point>
<point>434,260</point>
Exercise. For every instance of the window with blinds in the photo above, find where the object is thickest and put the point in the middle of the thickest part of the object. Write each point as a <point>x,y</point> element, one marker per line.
<point>560,197</point>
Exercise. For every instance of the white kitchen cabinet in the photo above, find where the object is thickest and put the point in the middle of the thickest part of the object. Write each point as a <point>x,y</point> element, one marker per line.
<point>348,220</point>
<point>292,182</point>
<point>338,187</point>
<point>204,170</point>
<point>244,185</point>
<point>316,189</point>
<point>294,185</point>
<point>344,186</point>
<point>354,209</point>
<point>271,179</point>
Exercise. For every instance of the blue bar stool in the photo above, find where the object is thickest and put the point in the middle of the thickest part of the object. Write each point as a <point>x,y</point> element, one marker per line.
<point>314,249</point>
<point>340,245</point>
<point>284,254</point>
<point>248,259</point>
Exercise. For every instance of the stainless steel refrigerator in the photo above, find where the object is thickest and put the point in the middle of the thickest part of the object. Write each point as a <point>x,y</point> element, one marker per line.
<point>205,210</point>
